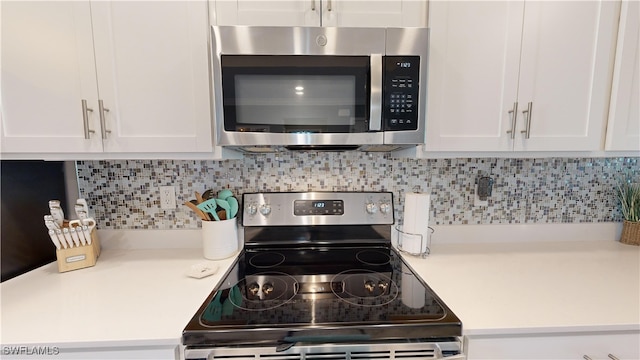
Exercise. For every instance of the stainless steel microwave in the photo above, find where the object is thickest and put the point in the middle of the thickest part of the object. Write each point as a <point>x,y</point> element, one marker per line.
<point>301,88</point>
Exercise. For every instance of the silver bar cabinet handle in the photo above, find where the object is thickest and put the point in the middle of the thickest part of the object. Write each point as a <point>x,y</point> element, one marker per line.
<point>613,357</point>
<point>513,113</point>
<point>328,5</point>
<point>103,122</point>
<point>527,115</point>
<point>375,109</point>
<point>587,357</point>
<point>313,5</point>
<point>85,120</point>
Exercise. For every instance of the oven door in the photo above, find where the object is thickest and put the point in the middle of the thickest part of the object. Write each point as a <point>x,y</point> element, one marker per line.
<point>301,100</point>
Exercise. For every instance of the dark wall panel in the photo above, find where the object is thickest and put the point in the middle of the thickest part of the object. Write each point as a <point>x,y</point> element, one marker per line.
<point>27,187</point>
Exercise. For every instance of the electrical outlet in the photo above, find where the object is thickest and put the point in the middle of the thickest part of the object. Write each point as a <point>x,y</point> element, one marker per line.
<point>484,186</point>
<point>167,197</point>
<point>477,201</point>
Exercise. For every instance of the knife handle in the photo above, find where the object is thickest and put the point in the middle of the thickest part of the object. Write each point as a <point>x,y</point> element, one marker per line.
<point>51,225</point>
<point>80,213</point>
<point>67,236</point>
<point>54,239</point>
<point>56,212</point>
<point>74,236</point>
<point>80,233</point>
<point>85,206</point>
<point>61,238</point>
<point>87,233</point>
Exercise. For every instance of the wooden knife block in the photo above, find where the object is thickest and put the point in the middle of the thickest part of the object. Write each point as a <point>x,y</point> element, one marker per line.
<point>80,256</point>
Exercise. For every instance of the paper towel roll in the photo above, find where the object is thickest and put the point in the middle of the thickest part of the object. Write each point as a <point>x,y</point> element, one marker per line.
<point>416,221</point>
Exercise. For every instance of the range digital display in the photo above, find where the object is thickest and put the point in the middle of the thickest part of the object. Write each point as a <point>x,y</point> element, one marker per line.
<point>318,207</point>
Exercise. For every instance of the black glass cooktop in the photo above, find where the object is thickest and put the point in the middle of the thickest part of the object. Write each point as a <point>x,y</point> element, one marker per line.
<point>365,293</point>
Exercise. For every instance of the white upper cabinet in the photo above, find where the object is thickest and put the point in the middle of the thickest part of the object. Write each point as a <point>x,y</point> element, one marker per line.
<point>520,75</point>
<point>265,13</point>
<point>342,13</point>
<point>141,68</point>
<point>623,131</point>
<point>378,13</point>
<point>48,68</point>
<point>474,57</point>
<point>566,64</point>
<point>153,75</point>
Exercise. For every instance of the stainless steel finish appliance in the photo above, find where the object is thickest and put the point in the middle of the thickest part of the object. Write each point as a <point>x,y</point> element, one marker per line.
<point>319,88</point>
<point>319,279</point>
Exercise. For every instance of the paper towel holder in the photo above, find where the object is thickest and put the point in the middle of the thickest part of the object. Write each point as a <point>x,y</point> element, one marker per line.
<point>414,244</point>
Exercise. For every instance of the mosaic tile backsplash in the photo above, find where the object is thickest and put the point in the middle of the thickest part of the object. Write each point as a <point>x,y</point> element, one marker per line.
<point>124,194</point>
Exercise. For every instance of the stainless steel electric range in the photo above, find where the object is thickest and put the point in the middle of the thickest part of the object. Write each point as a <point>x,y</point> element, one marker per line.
<point>319,279</point>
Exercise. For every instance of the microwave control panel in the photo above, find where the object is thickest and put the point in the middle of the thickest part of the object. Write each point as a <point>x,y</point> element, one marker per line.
<point>400,92</point>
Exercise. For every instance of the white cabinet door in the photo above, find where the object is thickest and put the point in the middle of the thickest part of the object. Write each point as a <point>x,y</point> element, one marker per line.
<point>623,131</point>
<point>151,60</point>
<point>474,56</point>
<point>342,13</point>
<point>378,13</point>
<point>623,345</point>
<point>149,69</point>
<point>266,13</point>
<point>488,59</point>
<point>565,74</point>
<point>47,69</point>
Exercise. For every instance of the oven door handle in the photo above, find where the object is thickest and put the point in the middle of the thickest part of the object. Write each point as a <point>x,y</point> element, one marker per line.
<point>289,341</point>
<point>375,107</point>
<point>454,357</point>
<point>438,355</point>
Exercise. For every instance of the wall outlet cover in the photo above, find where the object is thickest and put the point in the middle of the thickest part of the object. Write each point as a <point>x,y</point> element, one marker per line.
<point>167,197</point>
<point>476,199</point>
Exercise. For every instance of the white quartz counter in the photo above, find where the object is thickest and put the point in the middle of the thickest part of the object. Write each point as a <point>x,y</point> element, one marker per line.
<point>536,287</point>
<point>142,297</point>
<point>131,297</point>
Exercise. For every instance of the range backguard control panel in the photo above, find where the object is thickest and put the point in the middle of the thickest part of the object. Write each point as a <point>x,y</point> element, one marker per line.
<point>400,94</point>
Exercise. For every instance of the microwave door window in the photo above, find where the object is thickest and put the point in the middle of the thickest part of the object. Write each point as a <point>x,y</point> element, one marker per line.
<point>296,103</point>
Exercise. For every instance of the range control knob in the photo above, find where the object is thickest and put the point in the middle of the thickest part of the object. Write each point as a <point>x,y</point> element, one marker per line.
<point>253,288</point>
<point>369,286</point>
<point>267,288</point>
<point>385,207</point>
<point>371,208</point>
<point>265,209</point>
<point>252,208</point>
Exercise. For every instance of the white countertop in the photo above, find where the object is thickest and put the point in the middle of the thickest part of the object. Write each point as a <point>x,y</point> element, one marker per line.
<point>536,287</point>
<point>136,297</point>
<point>130,297</point>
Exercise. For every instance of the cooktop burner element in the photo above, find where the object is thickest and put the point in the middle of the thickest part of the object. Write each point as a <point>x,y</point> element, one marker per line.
<point>318,278</point>
<point>364,288</point>
<point>373,257</point>
<point>266,260</point>
<point>264,291</point>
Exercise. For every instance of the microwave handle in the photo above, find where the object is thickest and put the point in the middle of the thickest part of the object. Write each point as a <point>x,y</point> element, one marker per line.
<point>375,110</point>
